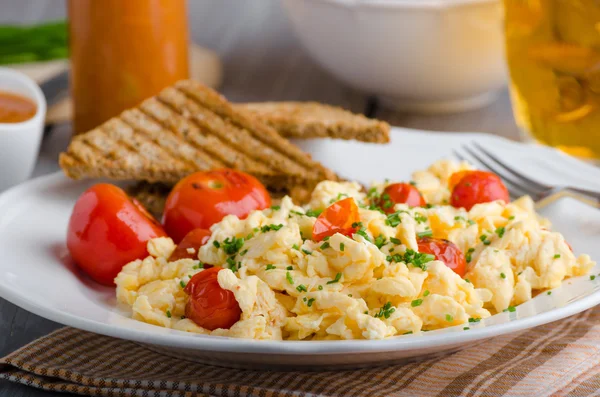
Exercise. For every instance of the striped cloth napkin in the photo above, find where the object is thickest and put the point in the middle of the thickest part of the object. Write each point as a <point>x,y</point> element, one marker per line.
<point>562,358</point>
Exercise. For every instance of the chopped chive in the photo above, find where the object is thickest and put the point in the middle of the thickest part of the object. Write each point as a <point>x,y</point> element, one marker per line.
<point>426,293</point>
<point>510,309</point>
<point>502,275</point>
<point>168,313</point>
<point>270,267</point>
<point>510,218</point>
<point>500,231</point>
<point>416,302</point>
<point>307,252</point>
<point>320,288</point>
<point>310,302</point>
<point>336,279</point>
<point>449,318</point>
<point>592,277</point>
<point>216,244</point>
<point>342,247</point>
<point>324,245</point>
<point>549,293</point>
<point>289,278</point>
<point>301,288</point>
<point>474,320</point>
<point>289,268</point>
<point>182,284</point>
<point>466,328</point>
<point>426,233</point>
<point>395,240</point>
<point>275,207</point>
<point>556,256</point>
<point>295,246</point>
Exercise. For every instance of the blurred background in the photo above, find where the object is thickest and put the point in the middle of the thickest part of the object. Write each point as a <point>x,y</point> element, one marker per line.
<point>263,57</point>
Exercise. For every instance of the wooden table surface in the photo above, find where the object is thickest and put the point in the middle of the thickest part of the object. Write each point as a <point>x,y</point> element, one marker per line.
<point>262,61</point>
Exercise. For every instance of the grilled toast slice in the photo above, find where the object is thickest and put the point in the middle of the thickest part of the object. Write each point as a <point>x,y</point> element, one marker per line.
<point>316,120</point>
<point>186,128</point>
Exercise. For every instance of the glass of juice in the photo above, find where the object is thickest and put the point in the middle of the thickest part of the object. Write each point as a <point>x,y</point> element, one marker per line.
<point>553,54</point>
<point>123,52</point>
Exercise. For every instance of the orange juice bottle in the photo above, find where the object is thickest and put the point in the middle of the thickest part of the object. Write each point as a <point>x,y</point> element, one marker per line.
<point>123,52</point>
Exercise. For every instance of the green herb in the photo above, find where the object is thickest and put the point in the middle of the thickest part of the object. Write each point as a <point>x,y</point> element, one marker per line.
<point>428,206</point>
<point>168,313</point>
<point>549,293</point>
<point>407,333</point>
<point>249,236</point>
<point>426,233</point>
<point>182,284</point>
<point>386,311</point>
<point>244,252</point>
<point>500,231</point>
<point>301,288</point>
<point>320,288</point>
<point>310,302</point>
<point>307,252</point>
<point>556,256</point>
<point>470,222</point>
<point>338,198</point>
<point>270,267</point>
<point>474,320</point>
<point>231,261</point>
<point>380,241</point>
<point>295,246</point>
<point>216,244</point>
<point>324,245</point>
<point>20,44</point>
<point>412,257</point>
<point>357,224</point>
<point>268,228</point>
<point>350,295</point>
<point>416,302</point>
<point>592,277</point>
<point>468,256</point>
<point>412,183</point>
<point>313,213</point>
<point>420,218</point>
<point>289,278</point>
<point>510,309</point>
<point>483,237</point>
<point>296,212</point>
<point>459,218</point>
<point>393,220</point>
<point>363,232</point>
<point>395,240</point>
<point>467,280</point>
<point>342,247</point>
<point>336,279</point>
<point>275,207</point>
<point>200,265</point>
<point>502,275</point>
<point>372,193</point>
<point>290,268</point>
<point>466,328</point>
<point>426,293</point>
<point>449,318</point>
<point>510,218</point>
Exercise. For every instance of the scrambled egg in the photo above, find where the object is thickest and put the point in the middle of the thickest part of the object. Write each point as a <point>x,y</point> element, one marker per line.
<point>371,285</point>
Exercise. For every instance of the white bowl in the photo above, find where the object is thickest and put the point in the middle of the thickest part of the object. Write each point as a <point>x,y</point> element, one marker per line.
<point>20,142</point>
<point>423,55</point>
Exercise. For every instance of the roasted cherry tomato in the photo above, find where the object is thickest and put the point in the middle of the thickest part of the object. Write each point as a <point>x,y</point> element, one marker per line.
<point>445,251</point>
<point>400,193</point>
<point>194,239</point>
<point>337,218</point>
<point>209,305</point>
<point>204,198</point>
<point>107,230</point>
<point>475,187</point>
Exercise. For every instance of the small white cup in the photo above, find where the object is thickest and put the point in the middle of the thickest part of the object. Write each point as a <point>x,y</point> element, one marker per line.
<point>20,142</point>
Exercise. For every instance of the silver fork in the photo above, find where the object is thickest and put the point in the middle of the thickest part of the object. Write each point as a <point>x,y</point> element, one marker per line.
<point>519,184</point>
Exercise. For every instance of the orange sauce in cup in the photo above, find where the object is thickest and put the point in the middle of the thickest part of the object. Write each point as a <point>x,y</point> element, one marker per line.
<point>122,52</point>
<point>15,108</point>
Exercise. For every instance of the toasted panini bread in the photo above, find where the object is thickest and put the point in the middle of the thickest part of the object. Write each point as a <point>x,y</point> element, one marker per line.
<point>186,128</point>
<point>316,120</point>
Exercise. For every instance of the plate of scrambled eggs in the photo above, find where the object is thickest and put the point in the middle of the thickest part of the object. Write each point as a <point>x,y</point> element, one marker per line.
<point>368,297</point>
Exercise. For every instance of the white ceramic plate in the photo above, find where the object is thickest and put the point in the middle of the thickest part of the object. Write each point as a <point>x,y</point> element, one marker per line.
<point>37,274</point>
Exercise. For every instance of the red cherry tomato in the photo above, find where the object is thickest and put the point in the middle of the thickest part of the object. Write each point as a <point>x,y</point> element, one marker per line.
<point>194,239</point>
<point>204,198</point>
<point>475,187</point>
<point>445,251</point>
<point>107,230</point>
<point>400,193</point>
<point>209,305</point>
<point>337,218</point>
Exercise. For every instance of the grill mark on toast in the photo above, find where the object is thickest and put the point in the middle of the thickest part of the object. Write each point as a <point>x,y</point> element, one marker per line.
<point>194,135</point>
<point>238,138</point>
<point>212,100</point>
<point>176,148</point>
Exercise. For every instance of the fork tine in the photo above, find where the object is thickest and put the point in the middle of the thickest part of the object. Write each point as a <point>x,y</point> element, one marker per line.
<point>514,191</point>
<point>535,184</point>
<point>523,187</point>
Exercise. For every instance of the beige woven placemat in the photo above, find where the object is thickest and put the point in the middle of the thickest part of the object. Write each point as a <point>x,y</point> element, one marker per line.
<point>559,359</point>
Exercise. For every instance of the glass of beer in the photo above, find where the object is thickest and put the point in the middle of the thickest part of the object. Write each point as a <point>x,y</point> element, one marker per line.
<point>553,54</point>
